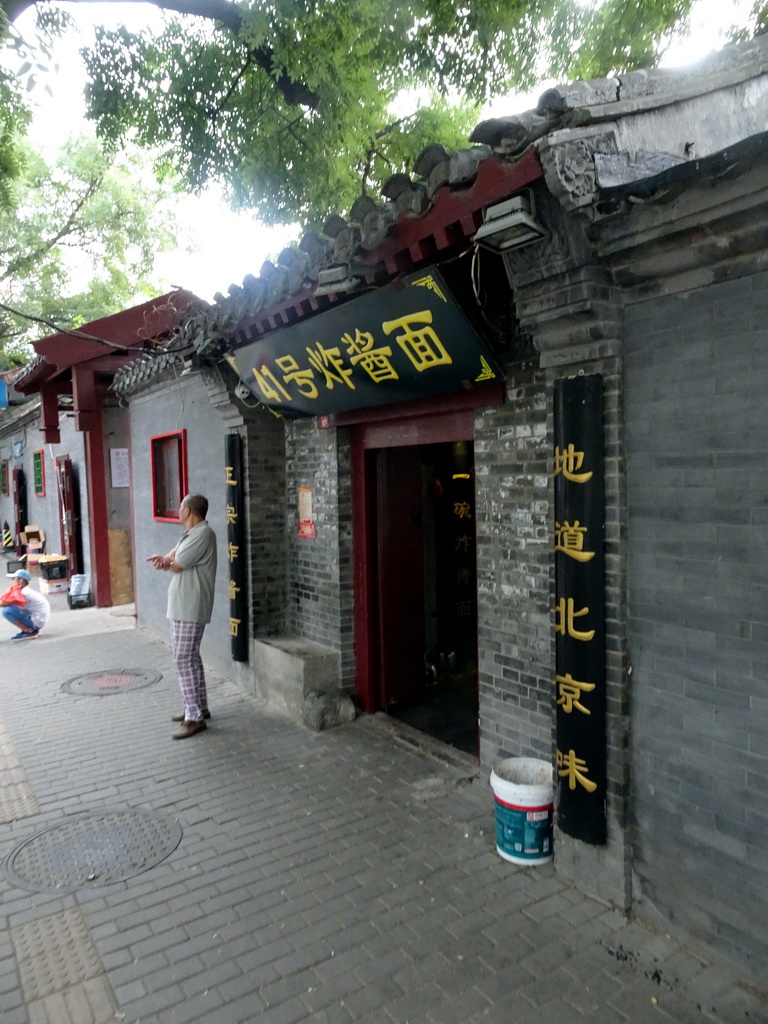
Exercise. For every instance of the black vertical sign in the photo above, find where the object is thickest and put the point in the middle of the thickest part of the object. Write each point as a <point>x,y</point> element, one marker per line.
<point>236,553</point>
<point>580,608</point>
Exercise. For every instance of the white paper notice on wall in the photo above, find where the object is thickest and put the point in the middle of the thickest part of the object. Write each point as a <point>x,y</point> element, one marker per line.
<point>118,464</point>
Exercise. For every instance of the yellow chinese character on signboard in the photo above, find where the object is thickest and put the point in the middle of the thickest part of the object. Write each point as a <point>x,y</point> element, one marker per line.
<point>270,386</point>
<point>232,551</point>
<point>486,373</point>
<point>463,543</point>
<point>565,616</point>
<point>429,282</point>
<point>234,590</point>
<point>568,462</point>
<point>231,515</point>
<point>375,361</point>
<point>230,479</point>
<point>329,362</point>
<point>462,509</point>
<point>423,347</point>
<point>462,609</point>
<point>570,691</point>
<point>234,626</point>
<point>575,769</point>
<point>462,576</point>
<point>570,540</point>
<point>303,378</point>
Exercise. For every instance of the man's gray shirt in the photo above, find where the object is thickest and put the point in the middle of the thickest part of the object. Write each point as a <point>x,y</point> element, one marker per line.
<point>190,594</point>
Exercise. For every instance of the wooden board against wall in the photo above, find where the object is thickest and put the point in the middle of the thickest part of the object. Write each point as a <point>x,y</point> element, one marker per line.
<point>121,566</point>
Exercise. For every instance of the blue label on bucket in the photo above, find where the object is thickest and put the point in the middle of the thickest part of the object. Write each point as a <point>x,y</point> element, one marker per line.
<point>524,832</point>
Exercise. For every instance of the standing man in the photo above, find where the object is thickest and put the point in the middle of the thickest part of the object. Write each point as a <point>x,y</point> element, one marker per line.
<point>30,616</point>
<point>190,602</point>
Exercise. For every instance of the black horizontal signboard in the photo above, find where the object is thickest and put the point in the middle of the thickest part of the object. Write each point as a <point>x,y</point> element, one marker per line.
<point>408,340</point>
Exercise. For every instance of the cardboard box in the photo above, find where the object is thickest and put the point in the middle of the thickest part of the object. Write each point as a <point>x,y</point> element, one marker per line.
<point>33,537</point>
<point>32,563</point>
<point>54,586</point>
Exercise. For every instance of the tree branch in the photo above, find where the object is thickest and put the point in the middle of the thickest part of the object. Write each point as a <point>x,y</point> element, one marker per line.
<point>223,12</point>
<point>27,260</point>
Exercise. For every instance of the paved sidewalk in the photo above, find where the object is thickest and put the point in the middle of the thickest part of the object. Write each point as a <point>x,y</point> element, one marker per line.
<point>333,877</point>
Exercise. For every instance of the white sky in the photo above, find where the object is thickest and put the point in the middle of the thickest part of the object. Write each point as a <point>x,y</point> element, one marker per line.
<point>230,245</point>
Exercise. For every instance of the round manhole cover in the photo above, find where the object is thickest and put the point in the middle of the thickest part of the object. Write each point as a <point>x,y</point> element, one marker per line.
<point>90,850</point>
<point>111,680</point>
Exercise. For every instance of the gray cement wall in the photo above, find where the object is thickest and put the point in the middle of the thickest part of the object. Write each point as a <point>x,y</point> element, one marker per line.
<point>43,510</point>
<point>182,403</point>
<point>696,413</point>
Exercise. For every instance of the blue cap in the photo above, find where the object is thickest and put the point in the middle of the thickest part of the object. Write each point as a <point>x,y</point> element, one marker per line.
<point>20,574</point>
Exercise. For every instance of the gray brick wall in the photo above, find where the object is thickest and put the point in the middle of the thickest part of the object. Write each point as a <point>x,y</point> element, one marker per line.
<point>320,596</point>
<point>514,554</point>
<point>696,412</point>
<point>264,452</point>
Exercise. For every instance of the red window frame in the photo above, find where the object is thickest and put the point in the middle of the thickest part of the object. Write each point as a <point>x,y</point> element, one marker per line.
<point>168,453</point>
<point>39,490</point>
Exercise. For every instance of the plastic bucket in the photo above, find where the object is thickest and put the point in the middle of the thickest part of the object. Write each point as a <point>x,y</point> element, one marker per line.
<point>524,793</point>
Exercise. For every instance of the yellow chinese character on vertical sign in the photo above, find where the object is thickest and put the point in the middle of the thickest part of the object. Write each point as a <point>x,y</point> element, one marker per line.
<point>462,509</point>
<point>231,515</point>
<point>568,462</point>
<point>270,386</point>
<point>232,551</point>
<point>303,378</point>
<point>565,616</point>
<point>463,543</point>
<point>570,691</point>
<point>462,609</point>
<point>462,576</point>
<point>234,625</point>
<point>570,540</point>
<point>423,347</point>
<point>234,590</point>
<point>330,363</point>
<point>575,769</point>
<point>375,361</point>
<point>230,479</point>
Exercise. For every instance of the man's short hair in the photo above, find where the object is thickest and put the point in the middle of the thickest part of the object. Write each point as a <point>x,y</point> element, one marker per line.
<point>197,505</point>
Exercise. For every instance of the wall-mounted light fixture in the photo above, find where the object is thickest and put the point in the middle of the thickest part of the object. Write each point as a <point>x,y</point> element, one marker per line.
<point>335,278</point>
<point>510,224</point>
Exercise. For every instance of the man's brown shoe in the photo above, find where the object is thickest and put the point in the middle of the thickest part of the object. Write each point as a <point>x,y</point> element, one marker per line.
<point>189,728</point>
<point>180,718</point>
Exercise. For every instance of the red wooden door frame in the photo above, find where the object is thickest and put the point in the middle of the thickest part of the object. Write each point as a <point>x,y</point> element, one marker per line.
<point>68,526</point>
<point>450,418</point>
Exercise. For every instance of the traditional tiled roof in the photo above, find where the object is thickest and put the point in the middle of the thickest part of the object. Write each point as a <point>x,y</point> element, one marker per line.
<point>575,138</point>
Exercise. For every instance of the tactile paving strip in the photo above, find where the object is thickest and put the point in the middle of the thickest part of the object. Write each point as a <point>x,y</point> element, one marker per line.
<point>91,850</point>
<point>110,681</point>
<point>54,953</point>
<point>17,798</point>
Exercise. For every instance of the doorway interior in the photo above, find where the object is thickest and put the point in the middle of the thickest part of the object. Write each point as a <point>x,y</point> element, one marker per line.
<point>423,582</point>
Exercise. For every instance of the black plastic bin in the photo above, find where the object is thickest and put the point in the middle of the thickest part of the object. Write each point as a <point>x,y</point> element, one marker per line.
<point>55,570</point>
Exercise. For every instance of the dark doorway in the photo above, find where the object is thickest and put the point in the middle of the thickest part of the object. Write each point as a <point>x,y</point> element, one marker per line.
<point>425,587</point>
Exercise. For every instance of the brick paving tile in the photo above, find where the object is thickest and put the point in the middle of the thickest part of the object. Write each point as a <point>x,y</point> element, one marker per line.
<point>329,878</point>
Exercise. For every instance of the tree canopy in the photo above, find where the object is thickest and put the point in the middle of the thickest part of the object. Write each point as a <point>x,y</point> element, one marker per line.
<point>79,241</point>
<point>292,105</point>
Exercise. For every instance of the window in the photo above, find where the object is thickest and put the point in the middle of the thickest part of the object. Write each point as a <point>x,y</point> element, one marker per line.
<point>4,477</point>
<point>38,472</point>
<point>169,474</point>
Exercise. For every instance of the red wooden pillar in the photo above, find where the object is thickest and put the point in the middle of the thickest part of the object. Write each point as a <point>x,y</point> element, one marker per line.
<point>88,419</point>
<point>49,412</point>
